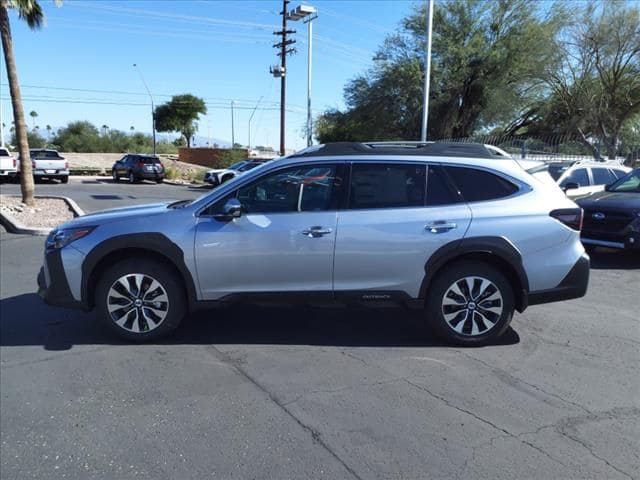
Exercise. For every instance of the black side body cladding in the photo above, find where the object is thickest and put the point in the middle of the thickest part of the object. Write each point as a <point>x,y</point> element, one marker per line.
<point>494,246</point>
<point>57,294</point>
<point>150,242</point>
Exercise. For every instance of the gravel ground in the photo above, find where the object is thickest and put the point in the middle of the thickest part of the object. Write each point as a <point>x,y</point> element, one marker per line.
<point>47,213</point>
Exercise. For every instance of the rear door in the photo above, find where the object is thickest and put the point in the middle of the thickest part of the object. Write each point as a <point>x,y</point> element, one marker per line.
<point>397,215</point>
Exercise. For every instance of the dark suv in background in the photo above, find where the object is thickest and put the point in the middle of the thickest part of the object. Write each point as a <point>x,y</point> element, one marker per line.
<point>138,167</point>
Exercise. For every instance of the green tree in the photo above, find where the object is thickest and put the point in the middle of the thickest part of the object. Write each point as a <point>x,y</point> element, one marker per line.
<point>79,137</point>
<point>33,114</point>
<point>31,12</point>
<point>180,115</point>
<point>33,137</point>
<point>486,59</point>
<point>595,80</point>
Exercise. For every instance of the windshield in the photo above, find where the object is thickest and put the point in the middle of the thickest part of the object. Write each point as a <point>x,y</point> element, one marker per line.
<point>628,183</point>
<point>237,165</point>
<point>229,182</point>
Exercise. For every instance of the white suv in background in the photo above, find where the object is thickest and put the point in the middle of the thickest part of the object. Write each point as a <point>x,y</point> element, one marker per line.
<point>587,178</point>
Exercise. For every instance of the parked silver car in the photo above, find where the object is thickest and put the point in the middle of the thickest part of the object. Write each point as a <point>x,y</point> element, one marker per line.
<point>446,228</point>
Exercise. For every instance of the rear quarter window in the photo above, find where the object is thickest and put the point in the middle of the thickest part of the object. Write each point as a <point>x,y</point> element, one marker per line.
<point>479,185</point>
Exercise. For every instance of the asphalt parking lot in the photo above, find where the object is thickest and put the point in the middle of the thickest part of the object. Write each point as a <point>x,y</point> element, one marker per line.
<point>291,393</point>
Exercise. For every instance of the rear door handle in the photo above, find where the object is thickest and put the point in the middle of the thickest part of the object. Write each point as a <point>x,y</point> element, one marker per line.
<point>316,231</point>
<point>440,226</point>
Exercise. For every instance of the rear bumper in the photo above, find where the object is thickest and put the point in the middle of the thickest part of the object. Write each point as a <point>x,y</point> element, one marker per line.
<point>573,285</point>
<point>50,173</point>
<point>8,173</point>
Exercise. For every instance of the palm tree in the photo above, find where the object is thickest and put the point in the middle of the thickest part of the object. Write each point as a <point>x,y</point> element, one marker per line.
<point>48,127</point>
<point>33,114</point>
<point>31,12</point>
<point>104,129</point>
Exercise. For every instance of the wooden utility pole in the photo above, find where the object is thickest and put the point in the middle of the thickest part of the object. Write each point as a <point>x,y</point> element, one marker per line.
<point>282,71</point>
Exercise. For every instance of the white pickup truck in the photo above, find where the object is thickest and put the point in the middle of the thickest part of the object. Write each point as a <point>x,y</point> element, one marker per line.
<point>48,164</point>
<point>8,167</point>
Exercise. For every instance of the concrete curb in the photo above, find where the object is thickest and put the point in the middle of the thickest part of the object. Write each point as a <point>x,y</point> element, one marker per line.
<point>14,226</point>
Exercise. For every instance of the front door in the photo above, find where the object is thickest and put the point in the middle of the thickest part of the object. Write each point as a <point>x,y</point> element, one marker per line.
<point>283,242</point>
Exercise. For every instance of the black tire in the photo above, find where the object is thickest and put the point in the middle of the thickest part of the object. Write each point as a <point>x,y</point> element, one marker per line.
<point>589,248</point>
<point>152,317</point>
<point>132,178</point>
<point>159,180</point>
<point>64,179</point>
<point>490,316</point>
<point>114,175</point>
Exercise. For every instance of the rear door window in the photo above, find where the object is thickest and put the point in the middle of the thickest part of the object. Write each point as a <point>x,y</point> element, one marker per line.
<point>387,185</point>
<point>440,190</point>
<point>479,185</point>
<point>602,176</point>
<point>579,176</point>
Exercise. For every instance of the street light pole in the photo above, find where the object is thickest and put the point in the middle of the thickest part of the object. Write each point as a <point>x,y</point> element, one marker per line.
<point>307,14</point>
<point>233,134</point>
<point>427,73</point>
<point>153,111</point>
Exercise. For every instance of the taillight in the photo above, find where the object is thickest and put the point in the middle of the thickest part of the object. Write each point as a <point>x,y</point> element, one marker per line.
<point>161,167</point>
<point>66,165</point>
<point>15,164</point>
<point>571,217</point>
<point>141,165</point>
<point>33,165</point>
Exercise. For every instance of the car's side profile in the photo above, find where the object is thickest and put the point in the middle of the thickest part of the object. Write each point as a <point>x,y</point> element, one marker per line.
<point>441,227</point>
<point>587,178</point>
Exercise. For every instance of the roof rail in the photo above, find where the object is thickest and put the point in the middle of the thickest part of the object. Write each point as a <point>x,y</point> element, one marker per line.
<point>436,149</point>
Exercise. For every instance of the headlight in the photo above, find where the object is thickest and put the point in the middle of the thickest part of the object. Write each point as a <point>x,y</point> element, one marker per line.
<point>58,239</point>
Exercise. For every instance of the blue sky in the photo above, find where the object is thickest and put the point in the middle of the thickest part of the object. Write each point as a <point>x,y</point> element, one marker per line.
<point>218,50</point>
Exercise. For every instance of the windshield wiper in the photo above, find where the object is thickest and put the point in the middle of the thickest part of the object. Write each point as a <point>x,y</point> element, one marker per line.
<point>179,204</point>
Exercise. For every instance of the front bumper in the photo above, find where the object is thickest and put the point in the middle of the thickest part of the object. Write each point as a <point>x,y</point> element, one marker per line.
<point>53,287</point>
<point>573,285</point>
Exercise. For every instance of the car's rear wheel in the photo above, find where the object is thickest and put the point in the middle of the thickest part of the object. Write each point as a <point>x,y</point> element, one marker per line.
<point>140,300</point>
<point>114,175</point>
<point>64,179</point>
<point>132,178</point>
<point>470,303</point>
<point>159,180</point>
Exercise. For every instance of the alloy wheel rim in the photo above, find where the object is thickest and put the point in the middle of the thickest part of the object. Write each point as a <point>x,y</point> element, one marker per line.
<point>472,306</point>
<point>137,302</point>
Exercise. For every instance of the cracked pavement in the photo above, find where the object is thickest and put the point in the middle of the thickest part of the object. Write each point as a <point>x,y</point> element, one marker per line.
<point>280,393</point>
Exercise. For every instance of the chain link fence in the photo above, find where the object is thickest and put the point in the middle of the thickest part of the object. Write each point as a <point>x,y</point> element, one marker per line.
<point>560,148</point>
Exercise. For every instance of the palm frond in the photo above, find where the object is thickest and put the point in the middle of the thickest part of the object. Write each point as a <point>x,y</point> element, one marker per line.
<point>28,10</point>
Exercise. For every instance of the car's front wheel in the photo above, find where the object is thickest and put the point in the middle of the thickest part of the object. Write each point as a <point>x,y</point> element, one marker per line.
<point>140,300</point>
<point>64,179</point>
<point>470,303</point>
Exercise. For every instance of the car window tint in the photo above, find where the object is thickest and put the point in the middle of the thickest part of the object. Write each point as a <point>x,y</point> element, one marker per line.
<point>602,176</point>
<point>149,160</point>
<point>298,189</point>
<point>579,176</point>
<point>478,185</point>
<point>387,186</point>
<point>630,183</point>
<point>439,188</point>
<point>3,153</point>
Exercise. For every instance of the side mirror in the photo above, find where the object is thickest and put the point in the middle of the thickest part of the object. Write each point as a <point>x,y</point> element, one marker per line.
<point>232,209</point>
<point>570,186</point>
<point>607,188</point>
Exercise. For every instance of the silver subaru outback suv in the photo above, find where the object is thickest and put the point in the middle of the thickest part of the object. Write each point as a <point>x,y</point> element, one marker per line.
<point>455,230</point>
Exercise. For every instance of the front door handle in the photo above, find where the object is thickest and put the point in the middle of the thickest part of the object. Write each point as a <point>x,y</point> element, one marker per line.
<point>316,231</point>
<point>440,226</point>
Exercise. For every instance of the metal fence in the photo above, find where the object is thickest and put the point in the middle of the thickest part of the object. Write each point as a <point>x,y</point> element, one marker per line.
<point>560,148</point>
